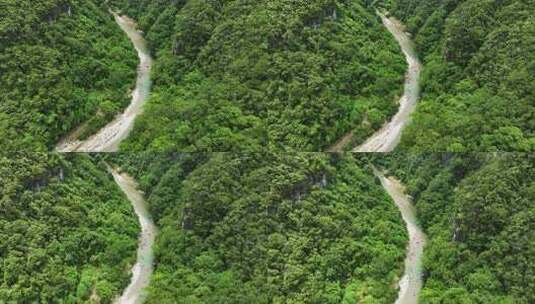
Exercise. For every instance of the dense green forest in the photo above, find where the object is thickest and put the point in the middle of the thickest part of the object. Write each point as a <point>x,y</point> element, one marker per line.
<point>67,233</point>
<point>287,75</point>
<point>479,76</point>
<point>62,63</point>
<point>267,228</point>
<point>240,75</point>
<point>264,228</point>
<point>478,212</point>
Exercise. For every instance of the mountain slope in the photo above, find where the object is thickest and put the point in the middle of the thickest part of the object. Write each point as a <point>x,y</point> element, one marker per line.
<point>478,212</point>
<point>264,228</point>
<point>62,63</point>
<point>479,77</point>
<point>240,75</point>
<point>67,233</point>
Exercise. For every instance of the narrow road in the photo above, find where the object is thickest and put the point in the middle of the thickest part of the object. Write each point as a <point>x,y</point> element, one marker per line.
<point>411,282</point>
<point>386,139</point>
<point>109,137</point>
<point>142,270</point>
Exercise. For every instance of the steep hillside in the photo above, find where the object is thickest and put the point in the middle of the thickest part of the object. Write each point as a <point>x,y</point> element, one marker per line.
<point>62,63</point>
<point>264,228</point>
<point>240,75</point>
<point>479,215</point>
<point>67,233</point>
<point>479,78</point>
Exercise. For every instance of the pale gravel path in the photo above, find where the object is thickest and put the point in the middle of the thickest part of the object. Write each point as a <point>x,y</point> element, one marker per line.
<point>142,270</point>
<point>412,281</point>
<point>387,139</point>
<point>109,137</point>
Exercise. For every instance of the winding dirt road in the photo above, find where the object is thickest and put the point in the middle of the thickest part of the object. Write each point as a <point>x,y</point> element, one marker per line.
<point>386,139</point>
<point>109,137</point>
<point>142,270</point>
<point>411,283</point>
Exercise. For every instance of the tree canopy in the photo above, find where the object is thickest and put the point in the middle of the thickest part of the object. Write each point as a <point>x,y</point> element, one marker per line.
<point>63,63</point>
<point>479,77</point>
<point>479,215</point>
<point>67,233</point>
<point>270,228</point>
<point>245,75</point>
